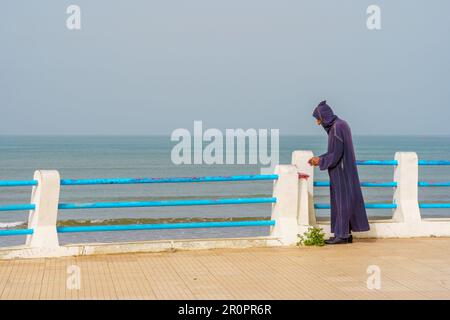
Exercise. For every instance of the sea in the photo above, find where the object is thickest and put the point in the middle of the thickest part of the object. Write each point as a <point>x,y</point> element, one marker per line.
<point>150,156</point>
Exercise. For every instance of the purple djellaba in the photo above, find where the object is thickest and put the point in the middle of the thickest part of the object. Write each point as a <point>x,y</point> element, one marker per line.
<point>348,211</point>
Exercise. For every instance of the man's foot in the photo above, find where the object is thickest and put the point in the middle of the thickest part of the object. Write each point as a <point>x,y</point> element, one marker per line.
<point>350,239</point>
<point>337,240</point>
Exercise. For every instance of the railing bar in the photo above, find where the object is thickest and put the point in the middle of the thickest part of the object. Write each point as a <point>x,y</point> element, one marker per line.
<point>434,205</point>
<point>434,162</point>
<point>18,183</point>
<point>73,182</point>
<point>388,184</point>
<point>434,184</point>
<point>390,206</point>
<point>166,203</point>
<point>377,162</point>
<point>368,206</point>
<point>17,207</point>
<point>363,184</point>
<point>15,232</point>
<point>395,162</point>
<point>188,225</point>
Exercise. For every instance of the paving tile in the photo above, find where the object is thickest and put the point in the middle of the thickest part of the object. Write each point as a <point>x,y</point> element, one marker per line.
<point>410,269</point>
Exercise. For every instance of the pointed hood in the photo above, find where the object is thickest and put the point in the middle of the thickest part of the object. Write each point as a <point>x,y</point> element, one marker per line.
<point>324,113</point>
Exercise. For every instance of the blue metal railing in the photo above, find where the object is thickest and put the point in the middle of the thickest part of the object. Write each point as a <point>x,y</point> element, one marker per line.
<point>18,183</point>
<point>434,162</point>
<point>390,206</point>
<point>74,182</point>
<point>368,206</point>
<point>395,162</point>
<point>80,182</point>
<point>388,184</point>
<point>363,184</point>
<point>128,204</point>
<point>393,184</point>
<point>17,207</point>
<point>434,205</point>
<point>188,225</point>
<point>376,162</point>
<point>16,232</point>
<point>434,184</point>
<point>167,203</point>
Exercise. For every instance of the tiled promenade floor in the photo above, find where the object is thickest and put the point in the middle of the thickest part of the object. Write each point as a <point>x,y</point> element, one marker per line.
<point>410,268</point>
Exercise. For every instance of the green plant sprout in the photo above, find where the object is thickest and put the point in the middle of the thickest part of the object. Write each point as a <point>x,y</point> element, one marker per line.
<point>313,237</point>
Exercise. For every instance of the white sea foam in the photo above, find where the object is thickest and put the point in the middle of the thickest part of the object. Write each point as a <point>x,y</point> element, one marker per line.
<point>7,225</point>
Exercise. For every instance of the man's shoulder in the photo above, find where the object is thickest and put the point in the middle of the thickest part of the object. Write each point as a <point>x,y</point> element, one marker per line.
<point>341,124</point>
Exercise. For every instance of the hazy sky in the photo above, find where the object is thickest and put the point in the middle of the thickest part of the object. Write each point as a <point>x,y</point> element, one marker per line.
<point>151,66</point>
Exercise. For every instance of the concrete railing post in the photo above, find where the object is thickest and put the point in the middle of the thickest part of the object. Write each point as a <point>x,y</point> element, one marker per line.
<point>406,194</point>
<point>45,196</point>
<point>284,211</point>
<point>303,204</point>
<point>300,160</point>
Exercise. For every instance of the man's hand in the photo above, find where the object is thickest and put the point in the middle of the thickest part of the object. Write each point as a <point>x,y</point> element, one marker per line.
<point>314,161</point>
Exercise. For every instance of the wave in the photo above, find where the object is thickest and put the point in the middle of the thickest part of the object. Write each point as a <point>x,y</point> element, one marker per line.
<point>8,225</point>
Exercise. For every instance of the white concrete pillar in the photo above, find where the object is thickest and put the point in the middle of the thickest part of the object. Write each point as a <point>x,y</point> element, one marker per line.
<point>300,160</point>
<point>45,196</point>
<point>303,219</point>
<point>284,211</point>
<point>406,194</point>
